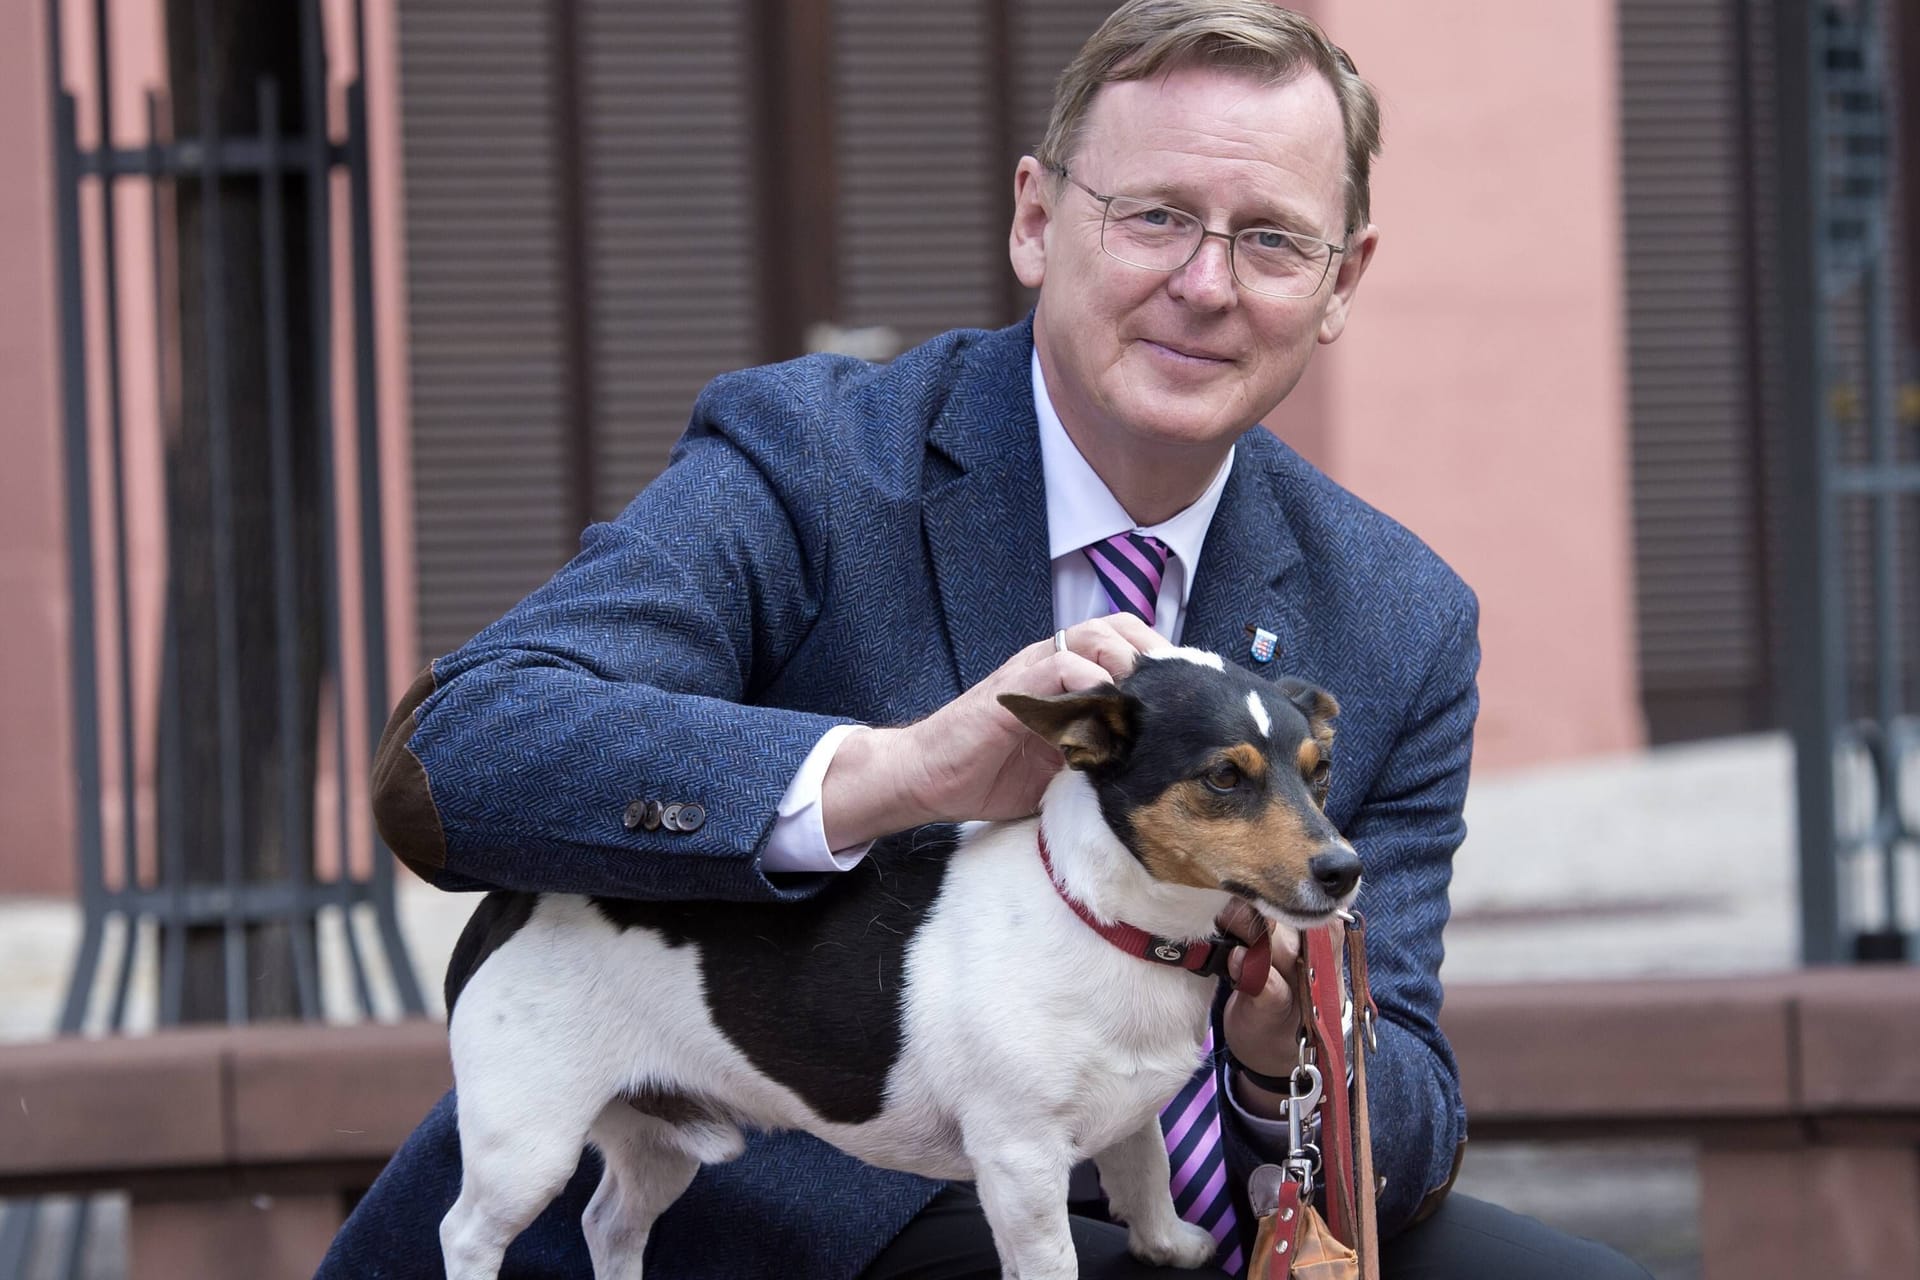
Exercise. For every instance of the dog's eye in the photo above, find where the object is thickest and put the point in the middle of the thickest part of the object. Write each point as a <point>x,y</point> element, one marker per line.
<point>1222,777</point>
<point>1321,772</point>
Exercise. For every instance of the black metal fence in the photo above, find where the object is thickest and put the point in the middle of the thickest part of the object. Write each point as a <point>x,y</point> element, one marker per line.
<point>204,914</point>
<point>1852,487</point>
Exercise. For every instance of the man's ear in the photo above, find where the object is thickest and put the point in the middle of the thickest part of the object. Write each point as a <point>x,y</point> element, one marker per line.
<point>1346,281</point>
<point>1032,212</point>
<point>1091,728</point>
<point>1316,704</point>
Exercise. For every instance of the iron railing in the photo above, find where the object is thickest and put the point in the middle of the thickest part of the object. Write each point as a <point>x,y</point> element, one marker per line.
<point>1851,544</point>
<point>136,885</point>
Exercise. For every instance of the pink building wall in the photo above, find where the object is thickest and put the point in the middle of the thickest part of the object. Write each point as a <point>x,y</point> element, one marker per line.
<point>36,790</point>
<point>1479,395</point>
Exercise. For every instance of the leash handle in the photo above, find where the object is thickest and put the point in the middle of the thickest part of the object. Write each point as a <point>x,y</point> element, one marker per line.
<point>1345,1132</point>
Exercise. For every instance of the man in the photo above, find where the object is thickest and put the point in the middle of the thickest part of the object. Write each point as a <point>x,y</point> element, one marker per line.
<point>791,642</point>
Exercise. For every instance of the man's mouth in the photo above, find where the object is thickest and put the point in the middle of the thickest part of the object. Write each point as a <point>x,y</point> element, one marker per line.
<point>1194,355</point>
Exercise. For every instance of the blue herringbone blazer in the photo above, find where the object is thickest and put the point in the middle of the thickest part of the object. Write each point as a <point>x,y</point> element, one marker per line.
<point>836,541</point>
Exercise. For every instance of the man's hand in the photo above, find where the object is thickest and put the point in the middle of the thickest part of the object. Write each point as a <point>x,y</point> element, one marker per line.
<point>1262,1029</point>
<point>971,759</point>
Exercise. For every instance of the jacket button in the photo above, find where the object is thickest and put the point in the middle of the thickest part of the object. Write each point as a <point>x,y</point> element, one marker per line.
<point>650,819</point>
<point>631,819</point>
<point>692,817</point>
<point>670,817</point>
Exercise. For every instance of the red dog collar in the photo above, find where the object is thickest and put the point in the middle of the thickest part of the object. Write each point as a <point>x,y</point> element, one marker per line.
<point>1207,957</point>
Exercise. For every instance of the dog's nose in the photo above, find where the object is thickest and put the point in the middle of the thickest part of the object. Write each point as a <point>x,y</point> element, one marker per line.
<point>1337,870</point>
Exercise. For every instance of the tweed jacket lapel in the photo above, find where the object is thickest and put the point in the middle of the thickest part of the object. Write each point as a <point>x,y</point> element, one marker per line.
<point>1250,547</point>
<point>985,509</point>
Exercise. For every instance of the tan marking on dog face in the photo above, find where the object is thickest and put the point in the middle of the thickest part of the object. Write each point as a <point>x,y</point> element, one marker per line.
<point>1320,723</point>
<point>1191,836</point>
<point>1247,758</point>
<point>1308,757</point>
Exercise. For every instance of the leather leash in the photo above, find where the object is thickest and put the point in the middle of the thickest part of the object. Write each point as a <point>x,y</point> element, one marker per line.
<point>1345,1140</point>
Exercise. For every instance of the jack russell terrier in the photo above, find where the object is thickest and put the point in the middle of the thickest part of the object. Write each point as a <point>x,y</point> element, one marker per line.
<point>994,1001</point>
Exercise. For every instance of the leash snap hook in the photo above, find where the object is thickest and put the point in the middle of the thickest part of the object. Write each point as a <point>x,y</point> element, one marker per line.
<point>1303,1092</point>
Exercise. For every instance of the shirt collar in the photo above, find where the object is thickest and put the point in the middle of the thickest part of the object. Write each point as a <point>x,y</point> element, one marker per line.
<point>1081,510</point>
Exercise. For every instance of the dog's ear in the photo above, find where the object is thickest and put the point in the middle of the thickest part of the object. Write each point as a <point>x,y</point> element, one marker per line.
<point>1090,728</point>
<point>1316,704</point>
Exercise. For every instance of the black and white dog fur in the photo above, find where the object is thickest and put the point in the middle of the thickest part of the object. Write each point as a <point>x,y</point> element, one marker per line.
<point>939,1009</point>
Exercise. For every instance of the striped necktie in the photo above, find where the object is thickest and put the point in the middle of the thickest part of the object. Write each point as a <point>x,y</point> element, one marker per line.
<point>1198,1162</point>
<point>1130,566</point>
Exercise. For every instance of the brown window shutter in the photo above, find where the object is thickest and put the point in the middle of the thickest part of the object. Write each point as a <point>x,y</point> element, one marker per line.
<point>923,201</point>
<point>667,112</point>
<point>1704,653</point>
<point>483,284</point>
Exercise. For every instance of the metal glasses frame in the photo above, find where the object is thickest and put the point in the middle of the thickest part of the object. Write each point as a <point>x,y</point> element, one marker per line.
<point>1206,233</point>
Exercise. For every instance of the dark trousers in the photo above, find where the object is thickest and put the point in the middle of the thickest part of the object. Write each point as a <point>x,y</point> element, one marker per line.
<point>1467,1239</point>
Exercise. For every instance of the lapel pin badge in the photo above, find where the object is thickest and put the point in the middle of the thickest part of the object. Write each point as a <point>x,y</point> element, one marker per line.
<point>1264,645</point>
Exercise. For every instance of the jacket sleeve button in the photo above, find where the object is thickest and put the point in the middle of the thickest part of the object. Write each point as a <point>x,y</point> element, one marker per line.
<point>632,817</point>
<point>651,818</point>
<point>670,817</point>
<point>692,817</point>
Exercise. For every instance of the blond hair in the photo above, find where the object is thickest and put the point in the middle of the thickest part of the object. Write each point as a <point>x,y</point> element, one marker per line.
<point>1145,37</point>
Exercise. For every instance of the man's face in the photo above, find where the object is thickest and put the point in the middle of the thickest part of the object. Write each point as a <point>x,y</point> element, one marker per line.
<point>1161,364</point>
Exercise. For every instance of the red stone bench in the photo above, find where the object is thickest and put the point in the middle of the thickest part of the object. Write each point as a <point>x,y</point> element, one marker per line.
<point>242,1148</point>
<point>1802,1091</point>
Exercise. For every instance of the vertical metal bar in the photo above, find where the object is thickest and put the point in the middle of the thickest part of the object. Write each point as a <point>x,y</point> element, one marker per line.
<point>70,1250</point>
<point>1809,551</point>
<point>123,976</point>
<point>172,857</point>
<point>318,167</point>
<point>117,462</point>
<point>1881,406</point>
<point>356,960</point>
<point>173,853</point>
<point>287,636</point>
<point>79,496</point>
<point>372,539</point>
<point>219,453</point>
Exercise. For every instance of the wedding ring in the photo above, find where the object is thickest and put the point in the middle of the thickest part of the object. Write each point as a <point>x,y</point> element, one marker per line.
<point>1060,641</point>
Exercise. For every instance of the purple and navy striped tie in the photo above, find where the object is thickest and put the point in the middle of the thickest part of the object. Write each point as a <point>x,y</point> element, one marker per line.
<point>1130,566</point>
<point>1198,1161</point>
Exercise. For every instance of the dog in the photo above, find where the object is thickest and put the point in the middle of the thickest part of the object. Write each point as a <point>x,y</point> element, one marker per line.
<point>949,1007</point>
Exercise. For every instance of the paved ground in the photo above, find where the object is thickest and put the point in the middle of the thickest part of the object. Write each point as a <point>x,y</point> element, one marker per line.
<point>1672,861</point>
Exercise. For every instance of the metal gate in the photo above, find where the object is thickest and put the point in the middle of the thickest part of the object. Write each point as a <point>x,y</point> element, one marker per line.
<point>1852,532</point>
<point>143,893</point>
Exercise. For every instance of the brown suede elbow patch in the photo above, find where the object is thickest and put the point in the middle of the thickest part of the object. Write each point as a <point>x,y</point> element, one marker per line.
<point>403,805</point>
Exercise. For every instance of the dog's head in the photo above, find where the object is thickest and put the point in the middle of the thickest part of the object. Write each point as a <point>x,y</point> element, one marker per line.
<point>1211,777</point>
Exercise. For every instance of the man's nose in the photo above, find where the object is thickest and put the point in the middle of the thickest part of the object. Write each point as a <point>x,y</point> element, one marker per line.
<point>1207,279</point>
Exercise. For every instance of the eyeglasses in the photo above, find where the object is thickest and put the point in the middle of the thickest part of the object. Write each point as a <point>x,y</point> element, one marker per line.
<point>1156,237</point>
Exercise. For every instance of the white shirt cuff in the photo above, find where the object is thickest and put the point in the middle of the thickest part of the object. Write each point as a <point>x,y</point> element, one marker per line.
<point>1276,1130</point>
<point>1272,1133</point>
<point>798,841</point>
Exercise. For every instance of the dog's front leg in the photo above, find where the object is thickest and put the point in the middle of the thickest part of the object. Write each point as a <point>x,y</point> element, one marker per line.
<point>1023,1188</point>
<point>1134,1173</point>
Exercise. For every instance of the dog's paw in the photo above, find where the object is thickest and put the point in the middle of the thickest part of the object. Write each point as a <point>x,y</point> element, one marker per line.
<point>1180,1244</point>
